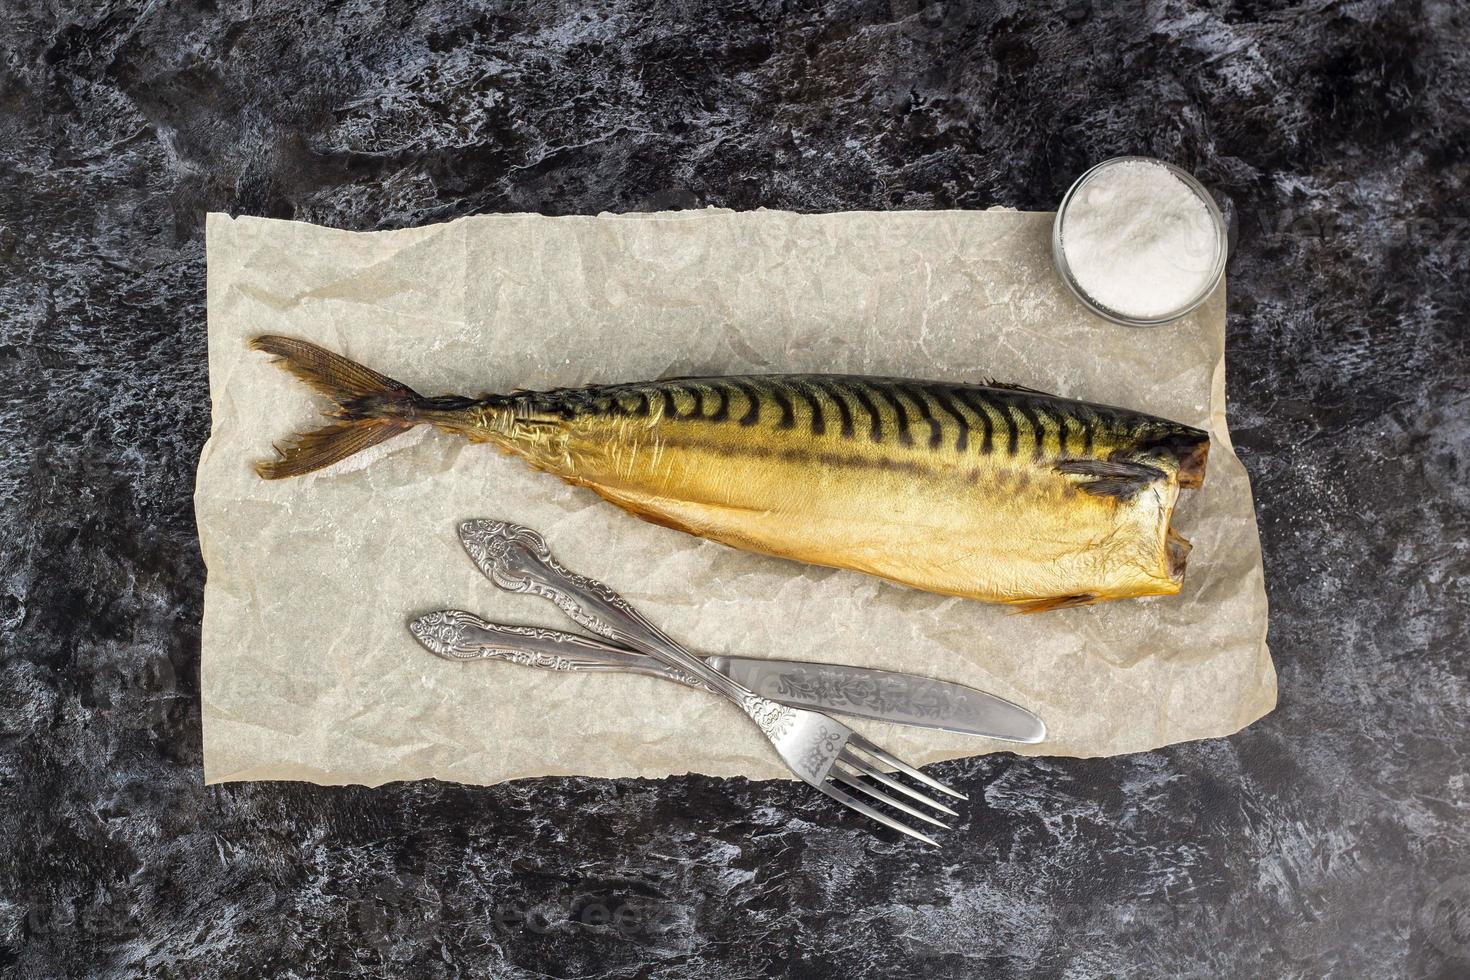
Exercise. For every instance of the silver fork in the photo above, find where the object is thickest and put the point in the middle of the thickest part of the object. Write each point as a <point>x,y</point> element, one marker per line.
<point>817,749</point>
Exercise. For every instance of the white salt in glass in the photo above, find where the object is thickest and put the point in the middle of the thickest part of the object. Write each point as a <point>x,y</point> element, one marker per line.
<point>1148,245</point>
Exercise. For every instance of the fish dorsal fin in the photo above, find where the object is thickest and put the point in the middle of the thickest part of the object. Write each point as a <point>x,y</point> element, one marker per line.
<point>1007,386</point>
<point>1111,478</point>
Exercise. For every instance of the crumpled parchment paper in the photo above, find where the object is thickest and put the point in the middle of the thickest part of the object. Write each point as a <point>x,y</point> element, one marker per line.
<point>308,669</point>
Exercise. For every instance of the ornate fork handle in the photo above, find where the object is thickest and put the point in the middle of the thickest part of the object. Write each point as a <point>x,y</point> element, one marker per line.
<point>518,559</point>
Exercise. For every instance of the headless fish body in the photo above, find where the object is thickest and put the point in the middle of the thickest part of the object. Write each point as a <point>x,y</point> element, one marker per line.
<point>990,492</point>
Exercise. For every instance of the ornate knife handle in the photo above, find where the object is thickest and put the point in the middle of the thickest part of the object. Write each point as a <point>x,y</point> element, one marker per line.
<point>517,559</point>
<point>457,635</point>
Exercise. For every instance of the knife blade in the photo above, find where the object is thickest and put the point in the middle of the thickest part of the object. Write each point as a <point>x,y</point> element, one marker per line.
<point>864,692</point>
<point>884,695</point>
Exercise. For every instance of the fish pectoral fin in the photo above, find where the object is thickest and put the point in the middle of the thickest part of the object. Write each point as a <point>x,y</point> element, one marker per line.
<point>1111,478</point>
<point>1054,602</point>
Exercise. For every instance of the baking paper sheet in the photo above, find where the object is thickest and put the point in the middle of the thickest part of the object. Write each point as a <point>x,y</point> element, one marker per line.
<point>308,669</point>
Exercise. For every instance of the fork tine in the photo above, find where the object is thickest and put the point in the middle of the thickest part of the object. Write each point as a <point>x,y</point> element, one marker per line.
<point>867,811</point>
<point>878,775</point>
<point>854,783</point>
<point>900,765</point>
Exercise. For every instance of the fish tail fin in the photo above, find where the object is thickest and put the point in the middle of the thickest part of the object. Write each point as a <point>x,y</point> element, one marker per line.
<point>320,448</point>
<point>370,407</point>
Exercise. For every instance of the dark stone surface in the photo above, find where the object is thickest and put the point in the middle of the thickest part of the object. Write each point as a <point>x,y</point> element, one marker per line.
<point>1328,839</point>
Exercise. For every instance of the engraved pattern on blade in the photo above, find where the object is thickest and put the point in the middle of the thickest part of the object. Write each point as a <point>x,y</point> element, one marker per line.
<point>823,750</point>
<point>774,719</point>
<point>689,679</point>
<point>887,696</point>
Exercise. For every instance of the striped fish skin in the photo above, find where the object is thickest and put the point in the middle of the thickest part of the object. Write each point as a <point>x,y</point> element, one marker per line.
<point>988,492</point>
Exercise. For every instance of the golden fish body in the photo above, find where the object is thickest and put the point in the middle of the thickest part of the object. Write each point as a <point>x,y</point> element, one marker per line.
<point>984,491</point>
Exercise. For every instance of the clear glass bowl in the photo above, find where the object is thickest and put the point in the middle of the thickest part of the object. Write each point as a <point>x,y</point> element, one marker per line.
<point>1059,252</point>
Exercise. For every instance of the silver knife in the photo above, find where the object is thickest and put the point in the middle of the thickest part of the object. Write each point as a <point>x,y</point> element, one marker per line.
<point>882,695</point>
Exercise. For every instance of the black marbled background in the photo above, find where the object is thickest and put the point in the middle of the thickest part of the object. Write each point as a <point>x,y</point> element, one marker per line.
<point>1329,839</point>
